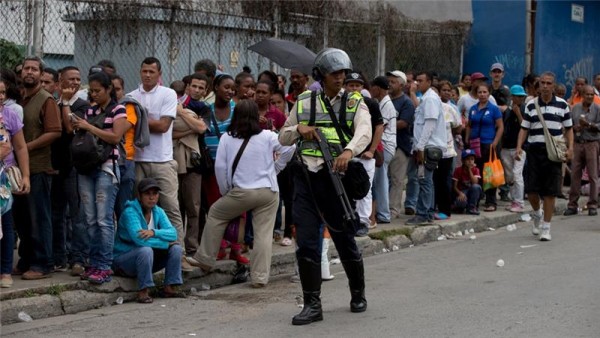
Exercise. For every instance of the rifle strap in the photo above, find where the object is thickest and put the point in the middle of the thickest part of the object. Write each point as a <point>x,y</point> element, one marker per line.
<point>338,127</point>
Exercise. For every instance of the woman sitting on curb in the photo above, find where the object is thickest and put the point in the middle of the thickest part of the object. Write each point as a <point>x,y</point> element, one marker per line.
<point>145,244</point>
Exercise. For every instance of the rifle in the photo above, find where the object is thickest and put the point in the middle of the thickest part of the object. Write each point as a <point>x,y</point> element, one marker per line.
<point>336,179</point>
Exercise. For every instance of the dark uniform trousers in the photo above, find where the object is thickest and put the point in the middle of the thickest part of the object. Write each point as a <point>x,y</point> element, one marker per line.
<point>309,225</point>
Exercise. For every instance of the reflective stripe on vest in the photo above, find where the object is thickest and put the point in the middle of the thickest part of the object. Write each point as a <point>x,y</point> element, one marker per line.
<point>324,123</point>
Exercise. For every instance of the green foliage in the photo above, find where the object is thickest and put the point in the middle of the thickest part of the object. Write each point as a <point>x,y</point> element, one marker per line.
<point>10,54</point>
<point>56,289</point>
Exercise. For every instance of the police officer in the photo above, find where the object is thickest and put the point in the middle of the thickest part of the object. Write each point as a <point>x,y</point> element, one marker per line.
<point>314,191</point>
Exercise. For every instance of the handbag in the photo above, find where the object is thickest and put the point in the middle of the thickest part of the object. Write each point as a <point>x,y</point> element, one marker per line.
<point>236,228</point>
<point>556,146</point>
<point>493,172</point>
<point>432,155</point>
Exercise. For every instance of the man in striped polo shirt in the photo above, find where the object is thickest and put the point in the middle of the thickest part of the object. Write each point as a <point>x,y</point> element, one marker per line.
<point>544,179</point>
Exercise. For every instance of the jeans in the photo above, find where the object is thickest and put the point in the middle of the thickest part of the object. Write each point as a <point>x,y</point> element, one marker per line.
<point>424,191</point>
<point>412,185</point>
<point>126,185</point>
<point>98,192</point>
<point>142,262</point>
<point>473,194</point>
<point>381,188</point>
<point>33,220</point>
<point>7,244</point>
<point>70,239</point>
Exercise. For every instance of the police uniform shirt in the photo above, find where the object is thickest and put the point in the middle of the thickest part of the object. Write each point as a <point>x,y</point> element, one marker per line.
<point>288,135</point>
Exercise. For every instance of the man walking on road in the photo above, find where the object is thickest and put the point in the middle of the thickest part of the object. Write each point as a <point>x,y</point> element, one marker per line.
<point>544,177</point>
<point>315,200</point>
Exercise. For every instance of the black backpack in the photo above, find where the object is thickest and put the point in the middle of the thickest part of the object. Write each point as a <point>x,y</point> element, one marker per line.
<point>89,151</point>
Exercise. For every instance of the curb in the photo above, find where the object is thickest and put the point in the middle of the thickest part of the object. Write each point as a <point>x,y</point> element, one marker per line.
<point>70,297</point>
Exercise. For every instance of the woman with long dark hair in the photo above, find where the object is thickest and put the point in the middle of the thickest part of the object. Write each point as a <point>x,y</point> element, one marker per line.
<point>248,185</point>
<point>98,188</point>
<point>218,122</point>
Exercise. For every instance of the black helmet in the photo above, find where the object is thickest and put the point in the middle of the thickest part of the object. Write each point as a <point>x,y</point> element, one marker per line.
<point>330,60</point>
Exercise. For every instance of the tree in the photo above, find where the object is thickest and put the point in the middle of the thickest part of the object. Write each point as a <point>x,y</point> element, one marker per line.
<point>10,54</point>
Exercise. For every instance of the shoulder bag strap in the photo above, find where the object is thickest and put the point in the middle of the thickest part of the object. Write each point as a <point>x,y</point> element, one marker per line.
<point>541,116</point>
<point>237,157</point>
<point>215,124</point>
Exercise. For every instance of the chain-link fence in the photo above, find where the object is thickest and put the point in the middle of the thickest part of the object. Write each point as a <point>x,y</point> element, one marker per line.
<point>179,33</point>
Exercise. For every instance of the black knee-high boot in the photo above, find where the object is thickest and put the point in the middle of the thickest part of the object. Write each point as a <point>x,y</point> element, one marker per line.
<point>310,277</point>
<point>356,281</point>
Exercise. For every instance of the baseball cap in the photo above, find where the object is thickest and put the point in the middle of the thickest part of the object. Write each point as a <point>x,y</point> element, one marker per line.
<point>497,65</point>
<point>478,76</point>
<point>147,184</point>
<point>397,73</point>
<point>517,90</point>
<point>354,77</point>
<point>381,82</point>
<point>468,152</point>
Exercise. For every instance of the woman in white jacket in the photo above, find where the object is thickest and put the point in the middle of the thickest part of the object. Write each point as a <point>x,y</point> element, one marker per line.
<point>251,185</point>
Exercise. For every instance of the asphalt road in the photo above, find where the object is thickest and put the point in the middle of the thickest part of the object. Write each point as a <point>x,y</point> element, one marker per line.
<point>450,288</point>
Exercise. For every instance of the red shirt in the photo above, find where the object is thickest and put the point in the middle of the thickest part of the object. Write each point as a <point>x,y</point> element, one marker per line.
<point>462,176</point>
<point>275,119</point>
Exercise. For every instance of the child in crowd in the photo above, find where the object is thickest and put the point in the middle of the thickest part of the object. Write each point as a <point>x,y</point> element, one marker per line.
<point>466,184</point>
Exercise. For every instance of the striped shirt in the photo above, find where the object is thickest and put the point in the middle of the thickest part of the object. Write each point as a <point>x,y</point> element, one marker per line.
<point>556,114</point>
<point>211,137</point>
<point>114,112</point>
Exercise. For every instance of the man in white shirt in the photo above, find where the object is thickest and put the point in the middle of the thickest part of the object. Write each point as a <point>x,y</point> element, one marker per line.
<point>429,142</point>
<point>156,159</point>
<point>381,185</point>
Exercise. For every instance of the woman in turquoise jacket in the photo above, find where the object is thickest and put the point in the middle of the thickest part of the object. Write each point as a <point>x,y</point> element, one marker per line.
<point>144,243</point>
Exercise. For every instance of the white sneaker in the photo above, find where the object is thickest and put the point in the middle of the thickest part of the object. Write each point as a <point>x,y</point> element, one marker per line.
<point>535,227</point>
<point>545,236</point>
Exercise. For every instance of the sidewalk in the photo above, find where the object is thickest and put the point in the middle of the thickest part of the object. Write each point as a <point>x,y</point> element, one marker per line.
<point>63,294</point>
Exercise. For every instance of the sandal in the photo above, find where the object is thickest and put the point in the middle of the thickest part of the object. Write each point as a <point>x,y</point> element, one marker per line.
<point>145,300</point>
<point>286,242</point>
<point>489,208</point>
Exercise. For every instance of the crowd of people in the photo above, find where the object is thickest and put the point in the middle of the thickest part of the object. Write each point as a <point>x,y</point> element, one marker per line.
<point>215,165</point>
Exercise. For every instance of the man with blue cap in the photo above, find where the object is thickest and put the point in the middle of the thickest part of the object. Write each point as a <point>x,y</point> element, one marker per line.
<point>513,168</point>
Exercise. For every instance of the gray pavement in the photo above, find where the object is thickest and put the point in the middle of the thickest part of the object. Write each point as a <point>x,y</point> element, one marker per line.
<point>449,288</point>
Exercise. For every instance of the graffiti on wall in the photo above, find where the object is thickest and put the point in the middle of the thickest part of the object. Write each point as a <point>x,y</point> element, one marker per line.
<point>510,61</point>
<point>583,68</point>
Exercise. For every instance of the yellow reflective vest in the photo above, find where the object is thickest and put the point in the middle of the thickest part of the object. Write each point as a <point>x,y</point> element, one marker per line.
<point>323,121</point>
